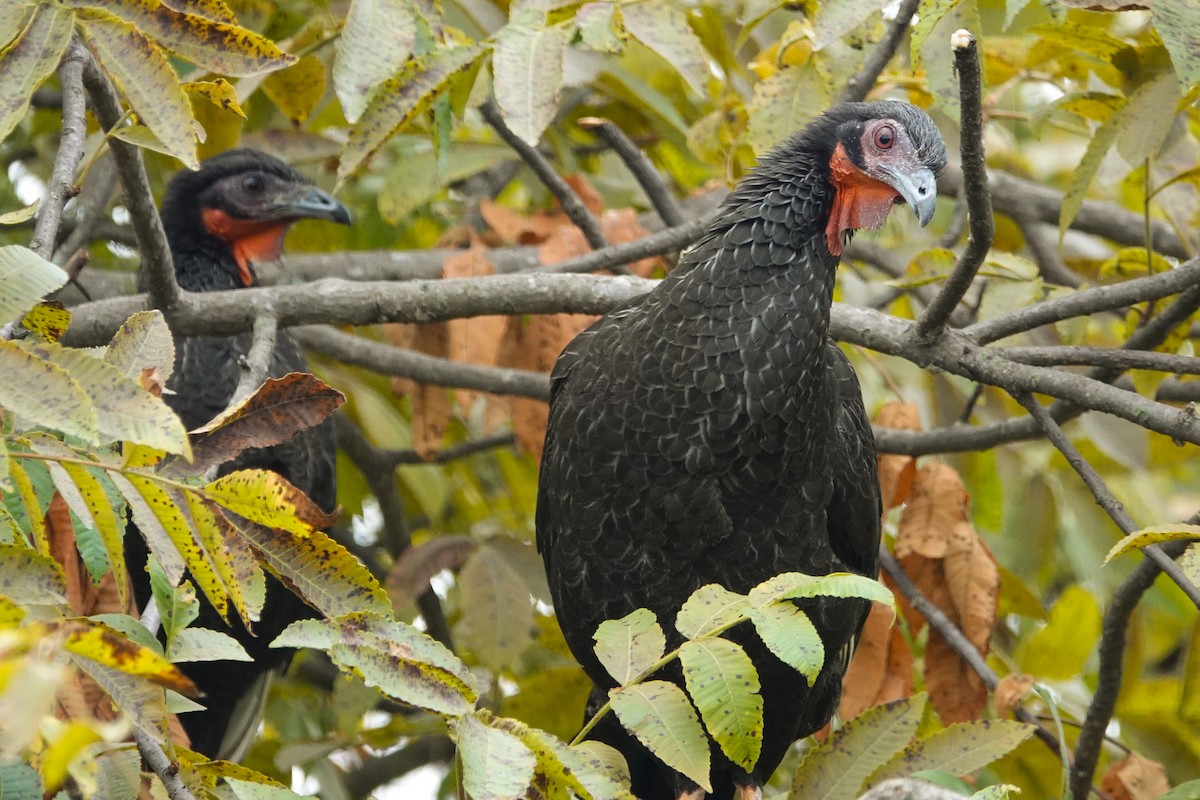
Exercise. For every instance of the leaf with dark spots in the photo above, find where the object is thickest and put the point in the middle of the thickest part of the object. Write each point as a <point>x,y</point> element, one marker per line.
<point>106,646</point>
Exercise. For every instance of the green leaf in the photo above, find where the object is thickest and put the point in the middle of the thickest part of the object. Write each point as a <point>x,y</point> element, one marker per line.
<point>400,99</point>
<point>783,104</point>
<point>1184,791</point>
<point>217,46</point>
<point>177,605</point>
<point>415,178</point>
<point>159,521</point>
<point>254,790</point>
<point>660,716</point>
<point>143,342</point>
<point>25,62</point>
<point>528,66</point>
<point>837,767</point>
<point>495,764</point>
<point>298,89</point>
<point>611,766</point>
<point>790,635</point>
<point>1060,650</point>
<point>796,585</point>
<point>118,773</point>
<point>33,490</point>
<point>663,27</point>
<point>29,578</point>
<point>125,412</point>
<point>599,28</point>
<point>959,749</point>
<point>1098,147</point>
<point>142,701</point>
<point>393,657</point>
<point>931,14</point>
<point>1178,25</point>
<point>497,615</point>
<point>629,646</point>
<point>836,18</point>
<point>1153,535</point>
<point>145,77</point>
<point>709,608</point>
<point>378,37</point>
<point>323,572</point>
<point>106,513</point>
<point>1146,120</point>
<point>203,644</point>
<point>25,277</point>
<point>18,780</point>
<point>723,684</point>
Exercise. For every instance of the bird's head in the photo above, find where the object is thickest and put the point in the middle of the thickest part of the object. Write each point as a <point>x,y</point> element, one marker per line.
<point>882,154</point>
<point>242,201</point>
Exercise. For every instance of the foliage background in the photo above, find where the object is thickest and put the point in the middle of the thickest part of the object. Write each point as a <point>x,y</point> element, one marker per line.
<point>386,103</point>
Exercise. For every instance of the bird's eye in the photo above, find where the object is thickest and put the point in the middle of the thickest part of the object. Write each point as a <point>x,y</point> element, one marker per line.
<point>254,183</point>
<point>885,137</point>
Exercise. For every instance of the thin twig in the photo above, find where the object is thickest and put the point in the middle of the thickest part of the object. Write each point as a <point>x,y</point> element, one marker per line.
<point>1087,302</point>
<point>865,78</point>
<point>975,186</point>
<point>958,224</point>
<point>639,166</point>
<point>420,367</point>
<point>616,256</point>
<point>93,200</point>
<point>396,458</point>
<point>1110,357</point>
<point>572,206</point>
<point>1104,497</point>
<point>61,186</point>
<point>157,271</point>
<point>1112,653</point>
<point>257,362</point>
<point>1045,253</point>
<point>954,637</point>
<point>166,769</point>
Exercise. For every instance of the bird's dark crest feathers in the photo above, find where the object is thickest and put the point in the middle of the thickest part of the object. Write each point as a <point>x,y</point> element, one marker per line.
<point>711,432</point>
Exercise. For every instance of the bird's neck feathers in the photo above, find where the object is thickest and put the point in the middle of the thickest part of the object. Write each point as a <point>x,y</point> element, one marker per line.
<point>196,252</point>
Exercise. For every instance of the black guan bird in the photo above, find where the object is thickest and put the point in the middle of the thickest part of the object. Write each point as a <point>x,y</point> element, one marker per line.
<point>712,432</point>
<point>220,220</point>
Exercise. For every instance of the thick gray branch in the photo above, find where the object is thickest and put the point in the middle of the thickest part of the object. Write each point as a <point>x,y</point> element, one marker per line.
<point>61,186</point>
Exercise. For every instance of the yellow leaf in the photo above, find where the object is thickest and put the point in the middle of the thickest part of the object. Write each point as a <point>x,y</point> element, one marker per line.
<point>269,499</point>
<point>220,92</point>
<point>69,744</point>
<point>1152,535</point>
<point>104,645</point>
<point>297,90</point>
<point>48,320</point>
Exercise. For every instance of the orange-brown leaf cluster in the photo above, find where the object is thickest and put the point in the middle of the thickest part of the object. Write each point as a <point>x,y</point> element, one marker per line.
<point>530,344</point>
<point>940,551</point>
<point>1135,778</point>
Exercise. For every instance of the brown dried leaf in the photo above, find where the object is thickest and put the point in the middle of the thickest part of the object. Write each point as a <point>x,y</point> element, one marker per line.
<point>430,404</point>
<point>473,340</point>
<point>564,242</point>
<point>151,380</point>
<point>937,505</point>
<point>411,573</point>
<point>882,668</point>
<point>277,411</point>
<point>60,533</point>
<point>896,471</point>
<point>973,581</point>
<point>1009,692</point>
<point>535,345</point>
<point>620,226</point>
<point>1135,777</point>
<point>955,690</point>
<point>514,227</point>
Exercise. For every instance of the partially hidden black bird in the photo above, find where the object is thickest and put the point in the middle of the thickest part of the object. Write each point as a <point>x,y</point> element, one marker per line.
<point>220,221</point>
<point>711,431</point>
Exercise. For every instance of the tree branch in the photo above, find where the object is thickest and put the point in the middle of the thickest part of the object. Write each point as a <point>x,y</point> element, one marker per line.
<point>398,458</point>
<point>975,180</point>
<point>388,360</point>
<point>1104,497</point>
<point>157,270</point>
<point>572,206</point>
<point>61,186</point>
<point>860,84</point>
<point>1112,653</point>
<point>257,362</point>
<point>639,166</point>
<point>166,769</point>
